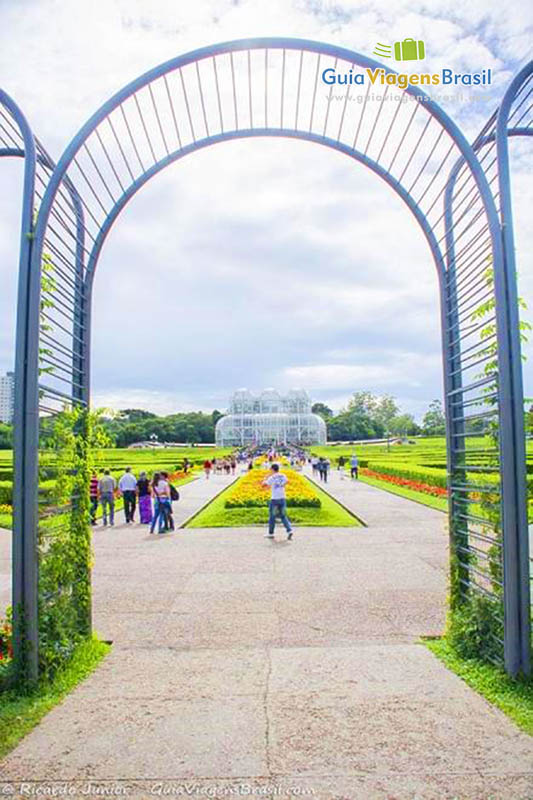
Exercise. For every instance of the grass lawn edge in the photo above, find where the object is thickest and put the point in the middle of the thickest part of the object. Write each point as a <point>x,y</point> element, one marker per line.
<point>356,522</point>
<point>21,711</point>
<point>513,697</point>
<point>417,497</point>
<point>186,522</point>
<point>320,488</point>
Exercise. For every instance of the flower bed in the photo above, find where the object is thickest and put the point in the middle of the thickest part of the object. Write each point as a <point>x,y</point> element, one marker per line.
<point>415,486</point>
<point>6,644</point>
<point>249,491</point>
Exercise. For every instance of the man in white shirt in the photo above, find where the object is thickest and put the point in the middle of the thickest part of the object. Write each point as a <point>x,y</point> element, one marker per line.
<point>128,489</point>
<point>278,502</point>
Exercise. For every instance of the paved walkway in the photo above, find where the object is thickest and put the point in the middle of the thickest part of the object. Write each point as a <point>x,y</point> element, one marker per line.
<point>277,665</point>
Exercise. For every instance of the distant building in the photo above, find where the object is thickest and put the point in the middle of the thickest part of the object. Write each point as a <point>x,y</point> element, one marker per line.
<point>270,418</point>
<point>7,397</point>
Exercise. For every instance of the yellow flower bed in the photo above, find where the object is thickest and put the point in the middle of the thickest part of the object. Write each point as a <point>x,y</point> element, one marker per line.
<point>260,461</point>
<point>249,492</point>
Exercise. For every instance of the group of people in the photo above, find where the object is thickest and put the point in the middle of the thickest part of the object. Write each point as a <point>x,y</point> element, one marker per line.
<point>321,467</point>
<point>220,466</point>
<point>154,497</point>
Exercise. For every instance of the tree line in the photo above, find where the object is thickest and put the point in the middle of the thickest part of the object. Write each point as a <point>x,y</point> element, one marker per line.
<point>366,416</point>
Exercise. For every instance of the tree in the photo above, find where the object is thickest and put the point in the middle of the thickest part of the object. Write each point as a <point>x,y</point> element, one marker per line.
<point>6,436</point>
<point>434,423</point>
<point>404,425</point>
<point>322,410</point>
<point>135,414</point>
<point>216,415</point>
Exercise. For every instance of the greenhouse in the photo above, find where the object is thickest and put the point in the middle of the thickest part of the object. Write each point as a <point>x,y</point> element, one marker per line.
<point>270,418</point>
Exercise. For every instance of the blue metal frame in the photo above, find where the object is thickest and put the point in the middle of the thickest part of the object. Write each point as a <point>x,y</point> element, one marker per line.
<point>517,561</point>
<point>25,450</point>
<point>25,564</point>
<point>517,635</point>
<point>508,353</point>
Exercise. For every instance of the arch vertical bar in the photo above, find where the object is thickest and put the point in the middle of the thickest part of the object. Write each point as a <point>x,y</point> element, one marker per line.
<point>516,545</point>
<point>481,230</point>
<point>515,529</point>
<point>453,382</point>
<point>26,426</point>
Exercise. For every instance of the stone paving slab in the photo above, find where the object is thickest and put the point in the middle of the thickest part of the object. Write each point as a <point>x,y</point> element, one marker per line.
<point>238,661</point>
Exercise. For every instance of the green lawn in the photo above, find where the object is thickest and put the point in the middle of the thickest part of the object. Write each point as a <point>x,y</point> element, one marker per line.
<point>21,711</point>
<point>441,504</point>
<point>514,698</point>
<point>215,515</point>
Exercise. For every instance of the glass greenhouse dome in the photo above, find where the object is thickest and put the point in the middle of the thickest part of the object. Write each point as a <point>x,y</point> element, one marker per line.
<point>270,418</point>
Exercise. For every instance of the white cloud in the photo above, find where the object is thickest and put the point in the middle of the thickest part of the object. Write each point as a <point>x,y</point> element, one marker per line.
<point>253,260</point>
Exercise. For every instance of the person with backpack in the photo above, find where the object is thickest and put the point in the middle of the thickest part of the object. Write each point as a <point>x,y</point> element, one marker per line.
<point>354,467</point>
<point>162,502</point>
<point>174,495</point>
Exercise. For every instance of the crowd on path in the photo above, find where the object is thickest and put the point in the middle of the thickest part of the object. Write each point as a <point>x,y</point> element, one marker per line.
<point>154,497</point>
<point>321,466</point>
<point>220,466</point>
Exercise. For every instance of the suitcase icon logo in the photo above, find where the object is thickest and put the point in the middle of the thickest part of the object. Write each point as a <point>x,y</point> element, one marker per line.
<point>409,50</point>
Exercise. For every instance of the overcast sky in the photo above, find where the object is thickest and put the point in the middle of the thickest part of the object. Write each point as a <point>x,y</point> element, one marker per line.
<point>259,263</point>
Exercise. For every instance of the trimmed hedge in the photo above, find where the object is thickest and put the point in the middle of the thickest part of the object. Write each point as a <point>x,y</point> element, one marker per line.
<point>6,493</point>
<point>435,476</point>
<point>292,502</point>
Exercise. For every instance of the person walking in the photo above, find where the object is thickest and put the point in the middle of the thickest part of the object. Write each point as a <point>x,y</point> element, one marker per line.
<point>278,502</point>
<point>128,488</point>
<point>172,492</point>
<point>322,468</point>
<point>161,493</point>
<point>354,467</point>
<point>233,465</point>
<point>93,496</point>
<point>145,500</point>
<point>106,489</point>
<point>341,462</point>
<point>207,468</point>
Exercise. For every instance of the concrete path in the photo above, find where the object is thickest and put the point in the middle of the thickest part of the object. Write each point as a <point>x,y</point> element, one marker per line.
<point>285,668</point>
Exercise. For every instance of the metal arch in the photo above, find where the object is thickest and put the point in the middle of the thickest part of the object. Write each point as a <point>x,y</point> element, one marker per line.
<point>519,546</point>
<point>517,635</point>
<point>261,43</point>
<point>445,125</point>
<point>24,589</point>
<point>238,45</point>
<point>25,563</point>
<point>247,134</point>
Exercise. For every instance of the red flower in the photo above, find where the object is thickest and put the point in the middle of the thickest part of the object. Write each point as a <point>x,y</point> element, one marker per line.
<point>417,486</point>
